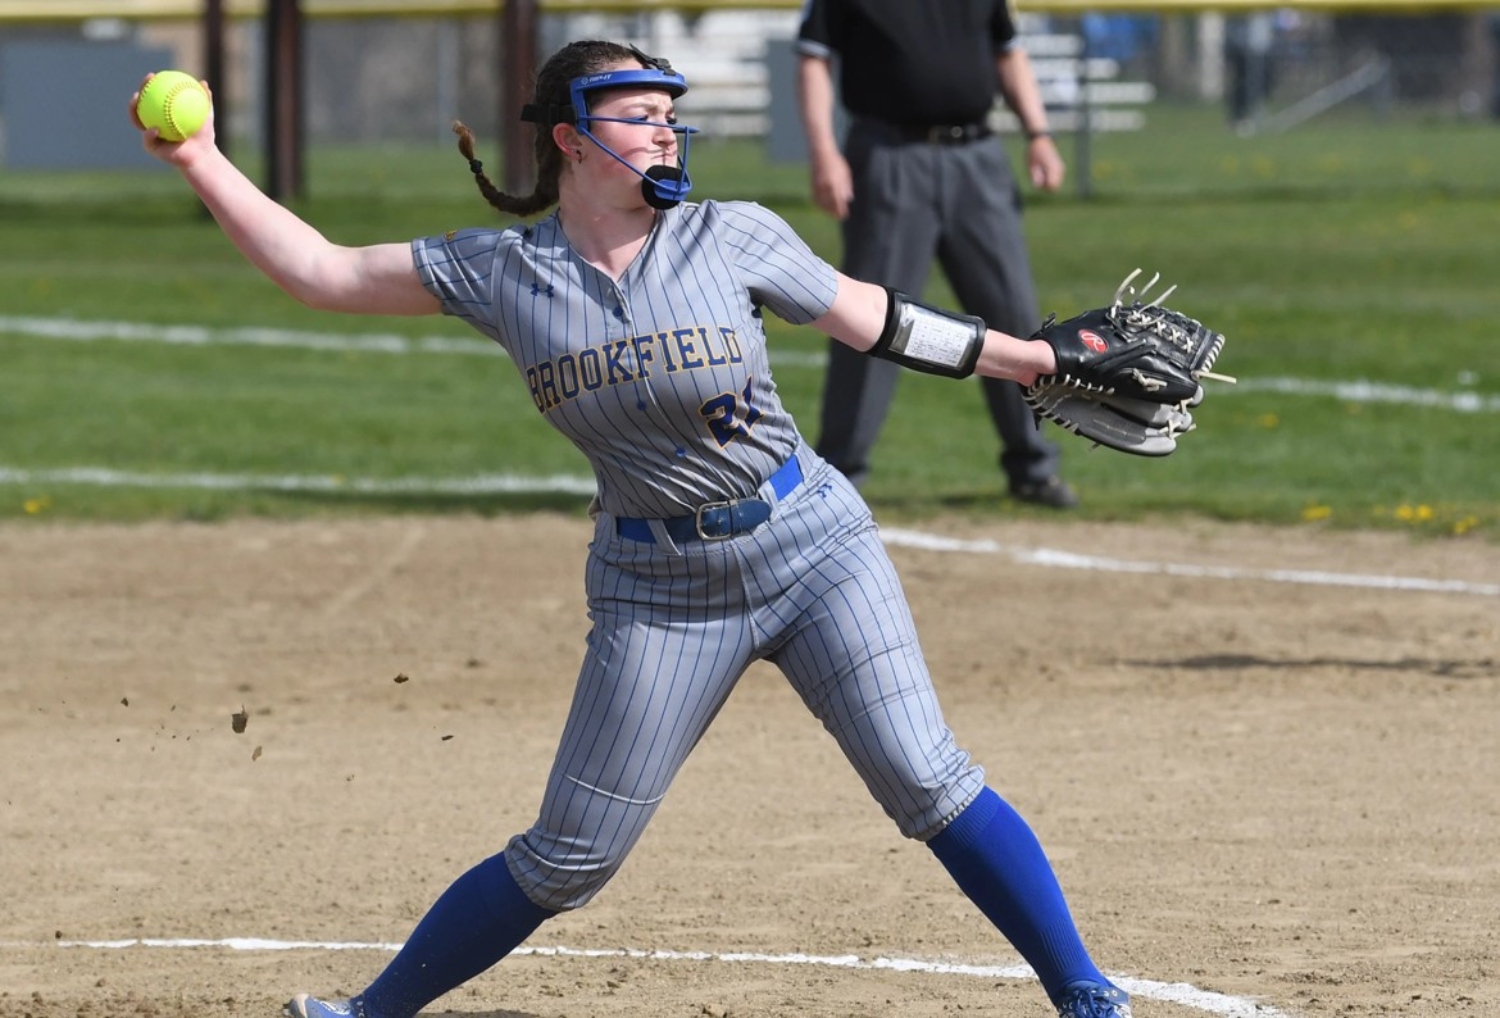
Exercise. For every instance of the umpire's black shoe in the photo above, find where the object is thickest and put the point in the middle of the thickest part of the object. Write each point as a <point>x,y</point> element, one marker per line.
<point>1052,493</point>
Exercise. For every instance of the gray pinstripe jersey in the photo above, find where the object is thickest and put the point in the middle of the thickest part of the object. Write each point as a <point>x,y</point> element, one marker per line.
<point>661,379</point>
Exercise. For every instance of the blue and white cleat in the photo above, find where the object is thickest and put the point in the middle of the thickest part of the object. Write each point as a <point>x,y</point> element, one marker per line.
<point>1094,1000</point>
<point>304,1006</point>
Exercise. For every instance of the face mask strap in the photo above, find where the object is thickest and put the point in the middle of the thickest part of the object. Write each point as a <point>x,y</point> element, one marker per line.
<point>663,187</point>
<point>673,188</point>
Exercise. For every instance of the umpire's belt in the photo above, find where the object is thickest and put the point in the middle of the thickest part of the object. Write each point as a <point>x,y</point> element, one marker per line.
<point>714,521</point>
<point>943,134</point>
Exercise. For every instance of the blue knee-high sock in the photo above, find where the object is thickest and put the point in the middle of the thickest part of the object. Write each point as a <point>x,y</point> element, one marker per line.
<point>477,921</point>
<point>997,861</point>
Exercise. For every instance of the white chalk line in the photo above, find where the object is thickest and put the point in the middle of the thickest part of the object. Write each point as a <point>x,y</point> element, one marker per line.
<point>503,484</point>
<point>75,330</point>
<point>1177,993</point>
<point>199,335</point>
<point>479,484</point>
<point>1055,559</point>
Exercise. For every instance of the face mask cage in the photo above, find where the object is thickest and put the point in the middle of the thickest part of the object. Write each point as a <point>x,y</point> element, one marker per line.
<point>662,186</point>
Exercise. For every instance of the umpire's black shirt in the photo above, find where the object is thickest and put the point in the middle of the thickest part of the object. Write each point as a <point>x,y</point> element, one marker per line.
<point>911,62</point>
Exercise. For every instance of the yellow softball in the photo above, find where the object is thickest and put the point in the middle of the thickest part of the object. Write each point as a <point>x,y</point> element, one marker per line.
<point>175,103</point>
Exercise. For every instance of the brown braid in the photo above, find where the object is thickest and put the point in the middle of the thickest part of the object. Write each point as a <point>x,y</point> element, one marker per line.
<point>544,195</point>
<point>572,61</point>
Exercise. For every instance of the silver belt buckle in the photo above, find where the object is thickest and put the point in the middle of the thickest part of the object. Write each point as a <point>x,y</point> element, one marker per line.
<point>698,521</point>
<point>947,132</point>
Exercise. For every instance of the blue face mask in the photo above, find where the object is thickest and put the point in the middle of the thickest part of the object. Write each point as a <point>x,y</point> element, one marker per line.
<point>662,186</point>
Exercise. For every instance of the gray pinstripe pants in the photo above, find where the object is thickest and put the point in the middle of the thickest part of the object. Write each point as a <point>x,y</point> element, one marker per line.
<point>813,591</point>
<point>914,202</point>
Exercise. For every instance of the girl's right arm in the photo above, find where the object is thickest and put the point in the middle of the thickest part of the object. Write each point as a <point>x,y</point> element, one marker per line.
<point>379,279</point>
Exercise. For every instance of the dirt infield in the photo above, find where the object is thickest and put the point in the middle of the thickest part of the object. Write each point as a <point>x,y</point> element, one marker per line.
<point>1275,793</point>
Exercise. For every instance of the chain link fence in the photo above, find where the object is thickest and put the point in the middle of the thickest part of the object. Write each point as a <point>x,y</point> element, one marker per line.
<point>1275,84</point>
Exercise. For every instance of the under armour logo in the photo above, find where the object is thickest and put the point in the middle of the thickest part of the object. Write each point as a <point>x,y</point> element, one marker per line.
<point>1092,341</point>
<point>537,290</point>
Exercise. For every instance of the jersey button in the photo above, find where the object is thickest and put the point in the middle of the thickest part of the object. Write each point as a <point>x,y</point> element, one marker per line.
<point>619,312</point>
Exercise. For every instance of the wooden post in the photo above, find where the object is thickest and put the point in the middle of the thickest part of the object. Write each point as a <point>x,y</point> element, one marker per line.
<point>518,42</point>
<point>213,69</point>
<point>283,99</point>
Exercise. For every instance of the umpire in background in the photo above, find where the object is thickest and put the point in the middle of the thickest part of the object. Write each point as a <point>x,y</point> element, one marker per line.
<point>922,174</point>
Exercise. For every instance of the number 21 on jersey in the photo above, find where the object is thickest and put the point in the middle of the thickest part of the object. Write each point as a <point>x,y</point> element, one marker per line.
<point>729,415</point>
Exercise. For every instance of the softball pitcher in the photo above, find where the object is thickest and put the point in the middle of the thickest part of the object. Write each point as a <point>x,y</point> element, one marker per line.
<point>720,538</point>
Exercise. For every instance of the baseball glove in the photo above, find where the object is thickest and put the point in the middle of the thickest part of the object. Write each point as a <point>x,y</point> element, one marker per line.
<point>1127,374</point>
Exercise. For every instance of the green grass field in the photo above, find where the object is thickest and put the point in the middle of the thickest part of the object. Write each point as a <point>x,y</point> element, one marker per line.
<point>1352,265</point>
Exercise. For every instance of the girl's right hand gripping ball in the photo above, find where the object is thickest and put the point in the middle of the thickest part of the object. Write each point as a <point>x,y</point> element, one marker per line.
<point>175,103</point>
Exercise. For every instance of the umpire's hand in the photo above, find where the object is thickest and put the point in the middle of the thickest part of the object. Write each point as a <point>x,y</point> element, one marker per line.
<point>832,183</point>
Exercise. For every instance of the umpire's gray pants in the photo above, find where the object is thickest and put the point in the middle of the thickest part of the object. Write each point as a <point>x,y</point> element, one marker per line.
<point>913,202</point>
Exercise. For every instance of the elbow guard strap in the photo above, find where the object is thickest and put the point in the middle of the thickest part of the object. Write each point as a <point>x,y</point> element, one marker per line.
<point>926,338</point>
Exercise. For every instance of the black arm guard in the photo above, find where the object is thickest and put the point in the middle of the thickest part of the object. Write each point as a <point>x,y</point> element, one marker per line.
<point>922,337</point>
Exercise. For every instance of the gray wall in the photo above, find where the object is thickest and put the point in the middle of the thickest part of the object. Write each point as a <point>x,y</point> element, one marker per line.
<point>64,103</point>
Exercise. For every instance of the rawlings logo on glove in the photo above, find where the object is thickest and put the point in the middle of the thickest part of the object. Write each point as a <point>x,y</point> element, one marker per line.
<point>1127,374</point>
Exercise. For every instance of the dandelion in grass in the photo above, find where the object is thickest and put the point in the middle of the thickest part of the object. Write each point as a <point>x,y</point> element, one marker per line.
<point>1463,526</point>
<point>1314,513</point>
<point>1414,513</point>
<point>36,506</point>
<point>1268,421</point>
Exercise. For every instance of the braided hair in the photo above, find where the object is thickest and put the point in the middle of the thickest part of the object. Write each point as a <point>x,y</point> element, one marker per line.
<point>574,60</point>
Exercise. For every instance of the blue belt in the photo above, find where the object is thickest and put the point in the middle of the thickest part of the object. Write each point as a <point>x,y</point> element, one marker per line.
<point>715,521</point>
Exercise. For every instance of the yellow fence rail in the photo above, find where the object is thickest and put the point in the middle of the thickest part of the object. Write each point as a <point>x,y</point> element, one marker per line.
<point>164,10</point>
